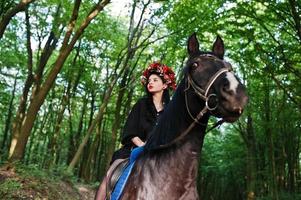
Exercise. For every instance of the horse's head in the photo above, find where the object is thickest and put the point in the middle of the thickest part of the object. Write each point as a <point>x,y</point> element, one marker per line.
<point>213,80</point>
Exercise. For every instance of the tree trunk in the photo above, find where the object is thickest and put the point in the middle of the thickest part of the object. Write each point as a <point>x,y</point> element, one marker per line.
<point>251,160</point>
<point>90,150</point>
<point>294,10</point>
<point>31,150</point>
<point>20,141</point>
<point>72,83</point>
<point>21,113</point>
<point>53,139</point>
<point>98,118</point>
<point>269,136</point>
<point>102,148</point>
<point>134,35</point>
<point>73,136</point>
<point>8,119</point>
<point>5,19</point>
<point>292,157</point>
<point>248,136</point>
<point>116,123</point>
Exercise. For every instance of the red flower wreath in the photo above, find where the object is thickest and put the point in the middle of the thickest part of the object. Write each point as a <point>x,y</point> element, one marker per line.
<point>163,71</point>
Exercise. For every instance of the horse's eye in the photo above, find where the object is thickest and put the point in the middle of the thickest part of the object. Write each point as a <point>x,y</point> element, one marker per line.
<point>195,65</point>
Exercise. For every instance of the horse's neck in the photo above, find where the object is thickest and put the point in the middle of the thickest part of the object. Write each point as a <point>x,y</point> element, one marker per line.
<point>186,151</point>
<point>176,119</point>
<point>189,110</point>
<point>179,163</point>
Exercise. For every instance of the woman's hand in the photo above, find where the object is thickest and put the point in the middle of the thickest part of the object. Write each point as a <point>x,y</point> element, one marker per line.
<point>138,142</point>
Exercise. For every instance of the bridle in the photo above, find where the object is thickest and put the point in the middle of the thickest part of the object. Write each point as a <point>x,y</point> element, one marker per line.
<point>203,94</point>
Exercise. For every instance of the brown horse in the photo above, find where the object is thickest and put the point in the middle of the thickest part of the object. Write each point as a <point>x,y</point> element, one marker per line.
<point>167,170</point>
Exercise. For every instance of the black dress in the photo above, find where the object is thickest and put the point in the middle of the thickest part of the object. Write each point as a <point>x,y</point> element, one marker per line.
<point>140,122</point>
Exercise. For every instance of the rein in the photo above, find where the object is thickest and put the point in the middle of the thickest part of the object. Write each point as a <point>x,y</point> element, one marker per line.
<point>203,94</point>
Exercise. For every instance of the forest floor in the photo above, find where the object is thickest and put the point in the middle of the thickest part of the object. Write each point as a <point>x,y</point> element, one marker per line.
<point>37,185</point>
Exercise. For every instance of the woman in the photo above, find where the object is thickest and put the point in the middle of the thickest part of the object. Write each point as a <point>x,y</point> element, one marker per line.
<point>157,79</point>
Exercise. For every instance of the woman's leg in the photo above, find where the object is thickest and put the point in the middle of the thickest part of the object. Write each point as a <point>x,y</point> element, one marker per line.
<point>102,189</point>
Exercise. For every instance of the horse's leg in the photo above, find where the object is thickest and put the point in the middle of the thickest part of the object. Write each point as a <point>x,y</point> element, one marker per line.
<point>101,192</point>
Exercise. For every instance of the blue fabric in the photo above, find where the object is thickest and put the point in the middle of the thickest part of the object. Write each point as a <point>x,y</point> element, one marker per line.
<point>116,194</point>
<point>136,153</point>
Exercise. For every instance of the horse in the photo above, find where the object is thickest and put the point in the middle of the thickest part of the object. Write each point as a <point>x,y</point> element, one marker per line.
<point>167,169</point>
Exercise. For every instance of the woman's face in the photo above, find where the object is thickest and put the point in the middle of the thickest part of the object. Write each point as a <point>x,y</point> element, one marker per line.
<point>155,84</point>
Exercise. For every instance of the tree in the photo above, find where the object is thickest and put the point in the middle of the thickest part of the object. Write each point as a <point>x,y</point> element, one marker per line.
<point>11,12</point>
<point>23,126</point>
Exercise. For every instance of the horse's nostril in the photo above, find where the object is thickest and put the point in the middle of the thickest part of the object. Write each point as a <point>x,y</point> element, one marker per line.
<point>238,110</point>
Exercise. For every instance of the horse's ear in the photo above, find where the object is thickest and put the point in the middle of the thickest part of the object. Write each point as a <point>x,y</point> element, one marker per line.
<point>218,47</point>
<point>193,45</point>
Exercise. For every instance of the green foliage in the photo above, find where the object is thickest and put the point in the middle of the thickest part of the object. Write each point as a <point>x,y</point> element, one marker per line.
<point>7,188</point>
<point>261,42</point>
<point>30,182</point>
<point>5,6</point>
<point>222,166</point>
<point>283,196</point>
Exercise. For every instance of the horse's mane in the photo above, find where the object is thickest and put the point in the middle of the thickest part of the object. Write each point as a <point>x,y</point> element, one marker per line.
<point>169,122</point>
<point>172,122</point>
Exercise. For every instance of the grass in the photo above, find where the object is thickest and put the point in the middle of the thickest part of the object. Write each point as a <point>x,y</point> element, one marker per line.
<point>31,183</point>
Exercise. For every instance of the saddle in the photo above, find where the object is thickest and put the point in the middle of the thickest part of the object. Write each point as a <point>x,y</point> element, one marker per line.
<point>118,174</point>
<point>114,174</point>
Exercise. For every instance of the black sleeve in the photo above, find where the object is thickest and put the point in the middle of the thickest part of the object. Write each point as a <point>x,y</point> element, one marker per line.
<point>132,125</point>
